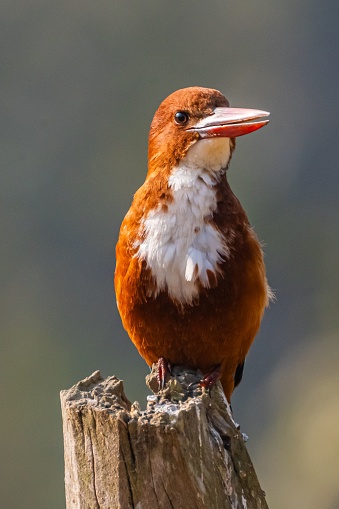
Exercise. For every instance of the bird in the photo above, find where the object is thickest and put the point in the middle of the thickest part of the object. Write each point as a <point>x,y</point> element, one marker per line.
<point>190,278</point>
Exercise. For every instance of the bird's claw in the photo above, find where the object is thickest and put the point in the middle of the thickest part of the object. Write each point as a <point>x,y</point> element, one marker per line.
<point>210,379</point>
<point>193,385</point>
<point>164,371</point>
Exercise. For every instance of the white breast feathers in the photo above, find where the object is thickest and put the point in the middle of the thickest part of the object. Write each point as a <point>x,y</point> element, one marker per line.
<point>180,245</point>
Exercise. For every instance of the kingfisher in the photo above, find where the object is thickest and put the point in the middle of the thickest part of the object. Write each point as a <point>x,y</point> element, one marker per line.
<point>190,278</point>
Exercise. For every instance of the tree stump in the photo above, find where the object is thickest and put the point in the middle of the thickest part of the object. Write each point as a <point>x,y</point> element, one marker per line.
<point>183,451</point>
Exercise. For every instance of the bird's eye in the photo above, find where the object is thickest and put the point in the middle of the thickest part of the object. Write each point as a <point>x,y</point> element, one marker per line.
<point>181,117</point>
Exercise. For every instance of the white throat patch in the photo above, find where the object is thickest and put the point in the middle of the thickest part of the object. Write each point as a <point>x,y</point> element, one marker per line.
<point>179,244</point>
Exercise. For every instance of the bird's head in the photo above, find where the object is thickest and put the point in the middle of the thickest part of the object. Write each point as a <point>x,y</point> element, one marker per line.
<point>198,122</point>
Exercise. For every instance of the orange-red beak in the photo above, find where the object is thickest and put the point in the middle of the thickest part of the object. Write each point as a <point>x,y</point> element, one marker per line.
<point>230,123</point>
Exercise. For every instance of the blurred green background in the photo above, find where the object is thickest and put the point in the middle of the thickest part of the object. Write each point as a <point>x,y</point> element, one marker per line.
<point>80,82</point>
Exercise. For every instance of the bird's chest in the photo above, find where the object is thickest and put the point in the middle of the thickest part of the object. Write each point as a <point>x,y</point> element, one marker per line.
<point>180,244</point>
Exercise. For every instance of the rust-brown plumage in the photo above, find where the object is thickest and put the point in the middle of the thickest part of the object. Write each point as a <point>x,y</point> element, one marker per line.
<point>219,325</point>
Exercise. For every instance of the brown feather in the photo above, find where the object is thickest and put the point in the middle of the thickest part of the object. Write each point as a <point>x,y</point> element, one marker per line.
<point>223,324</point>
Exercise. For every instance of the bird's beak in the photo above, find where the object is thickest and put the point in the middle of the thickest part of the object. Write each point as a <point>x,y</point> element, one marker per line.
<point>230,123</point>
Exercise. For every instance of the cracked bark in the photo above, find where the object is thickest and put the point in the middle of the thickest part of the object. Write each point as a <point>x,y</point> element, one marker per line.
<point>184,450</point>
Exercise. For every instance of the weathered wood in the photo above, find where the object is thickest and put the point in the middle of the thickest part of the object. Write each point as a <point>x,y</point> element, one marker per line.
<point>183,451</point>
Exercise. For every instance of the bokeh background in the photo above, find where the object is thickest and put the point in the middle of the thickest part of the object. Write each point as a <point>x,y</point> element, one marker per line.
<point>79,83</point>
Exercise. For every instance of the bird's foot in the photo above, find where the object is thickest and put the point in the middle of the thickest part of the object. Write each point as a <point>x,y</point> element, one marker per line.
<point>211,378</point>
<point>164,370</point>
